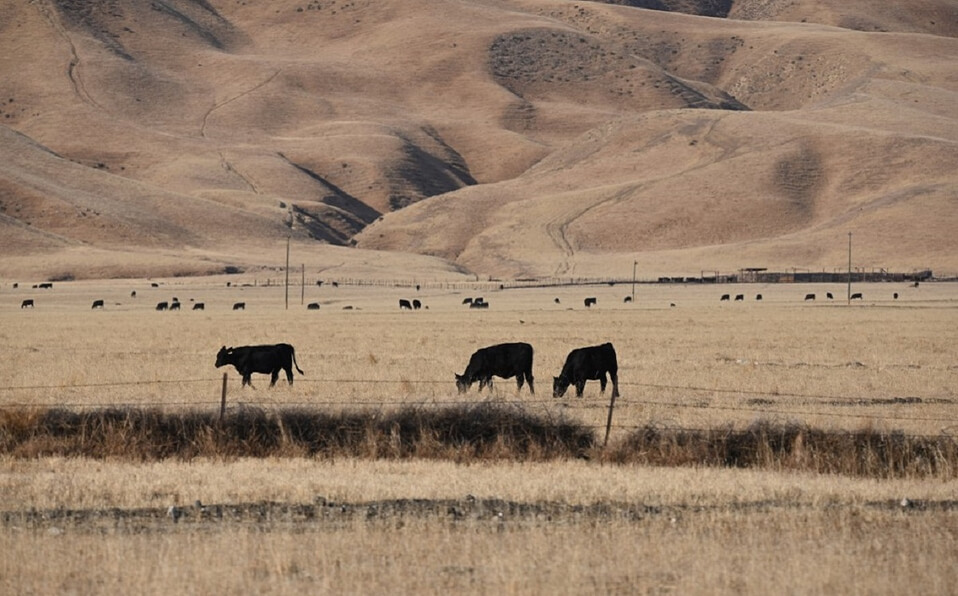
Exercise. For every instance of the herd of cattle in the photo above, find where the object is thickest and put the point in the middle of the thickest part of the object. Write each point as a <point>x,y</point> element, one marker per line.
<point>501,360</point>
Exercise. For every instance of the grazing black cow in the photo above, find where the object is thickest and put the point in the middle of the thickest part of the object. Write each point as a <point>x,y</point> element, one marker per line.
<point>627,299</point>
<point>467,300</point>
<point>312,306</point>
<point>175,305</point>
<point>739,297</point>
<point>758,296</point>
<point>239,306</point>
<point>478,299</point>
<point>556,301</point>
<point>97,304</point>
<point>45,286</point>
<point>162,305</point>
<point>28,303</point>
<point>916,285</point>
<point>133,294</point>
<point>895,295</point>
<point>154,285</point>
<point>404,304</point>
<point>829,296</point>
<point>17,285</point>
<point>479,305</point>
<point>501,360</point>
<point>589,302</point>
<point>267,359</point>
<point>416,305</point>
<point>724,298</point>
<point>809,296</point>
<point>583,364</point>
<point>199,306</point>
<point>856,296</point>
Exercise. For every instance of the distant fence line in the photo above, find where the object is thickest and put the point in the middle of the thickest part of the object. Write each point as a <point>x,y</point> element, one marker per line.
<point>705,277</point>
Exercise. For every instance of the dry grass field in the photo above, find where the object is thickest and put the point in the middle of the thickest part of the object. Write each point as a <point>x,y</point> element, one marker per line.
<point>295,524</point>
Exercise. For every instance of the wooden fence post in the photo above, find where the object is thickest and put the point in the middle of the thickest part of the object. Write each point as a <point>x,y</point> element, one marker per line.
<point>608,424</point>
<point>223,398</point>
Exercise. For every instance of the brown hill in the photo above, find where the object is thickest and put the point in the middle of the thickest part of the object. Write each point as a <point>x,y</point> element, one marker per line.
<point>508,137</point>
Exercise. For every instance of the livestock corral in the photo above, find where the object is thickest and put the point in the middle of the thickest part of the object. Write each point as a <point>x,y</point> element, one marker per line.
<point>727,469</point>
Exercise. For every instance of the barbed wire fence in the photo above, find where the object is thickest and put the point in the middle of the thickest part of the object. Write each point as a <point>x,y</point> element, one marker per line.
<point>405,388</point>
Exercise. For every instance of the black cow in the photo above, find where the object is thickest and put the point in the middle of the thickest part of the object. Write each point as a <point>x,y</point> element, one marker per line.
<point>239,306</point>
<point>28,303</point>
<point>260,359</point>
<point>162,305</point>
<point>199,306</point>
<point>829,296</point>
<point>501,360</point>
<point>627,299</point>
<point>724,298</point>
<point>467,300</point>
<point>175,305</point>
<point>809,296</point>
<point>416,305</point>
<point>856,296</point>
<point>758,296</point>
<point>312,306</point>
<point>97,304</point>
<point>583,364</point>
<point>739,297</point>
<point>133,294</point>
<point>589,302</point>
<point>477,304</point>
<point>404,304</point>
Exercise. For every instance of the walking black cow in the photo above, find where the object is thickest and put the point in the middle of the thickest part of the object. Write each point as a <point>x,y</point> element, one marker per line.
<point>501,360</point>
<point>268,359</point>
<point>584,364</point>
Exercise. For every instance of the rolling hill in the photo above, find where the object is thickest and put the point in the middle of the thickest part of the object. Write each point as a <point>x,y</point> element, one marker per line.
<point>505,138</point>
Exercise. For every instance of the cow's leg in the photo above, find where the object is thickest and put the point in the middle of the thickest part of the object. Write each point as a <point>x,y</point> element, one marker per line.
<point>579,388</point>
<point>519,380</point>
<point>248,380</point>
<point>615,384</point>
<point>532,388</point>
<point>602,383</point>
<point>289,374</point>
<point>273,376</point>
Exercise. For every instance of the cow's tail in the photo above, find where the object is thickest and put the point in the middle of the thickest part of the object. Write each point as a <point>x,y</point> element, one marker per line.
<point>292,351</point>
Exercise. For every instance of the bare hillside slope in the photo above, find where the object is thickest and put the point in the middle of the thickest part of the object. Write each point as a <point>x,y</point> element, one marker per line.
<point>516,137</point>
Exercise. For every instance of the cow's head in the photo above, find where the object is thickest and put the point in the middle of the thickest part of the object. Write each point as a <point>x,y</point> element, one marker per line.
<point>223,356</point>
<point>462,383</point>
<point>559,386</point>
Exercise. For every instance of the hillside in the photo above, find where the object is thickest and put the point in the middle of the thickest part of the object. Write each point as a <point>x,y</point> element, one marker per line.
<point>494,137</point>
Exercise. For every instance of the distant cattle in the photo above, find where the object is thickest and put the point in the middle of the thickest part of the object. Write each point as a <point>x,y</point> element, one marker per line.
<point>829,296</point>
<point>45,286</point>
<point>133,294</point>
<point>28,303</point>
<point>416,305</point>
<point>162,305</point>
<point>175,305</point>
<point>627,299</point>
<point>739,297</point>
<point>239,306</point>
<point>199,306</point>
<point>557,301</point>
<point>590,302</point>
<point>266,359</point>
<point>856,296</point>
<point>895,295</point>
<point>478,299</point>
<point>758,296</point>
<point>404,304</point>
<point>809,296</point>
<point>724,298</point>
<point>467,300</point>
<point>584,364</point>
<point>17,285</point>
<point>501,360</point>
<point>915,285</point>
<point>479,305</point>
<point>312,306</point>
<point>97,304</point>
<point>154,285</point>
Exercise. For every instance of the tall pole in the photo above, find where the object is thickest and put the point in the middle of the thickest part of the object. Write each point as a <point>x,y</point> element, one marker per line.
<point>287,273</point>
<point>634,263</point>
<point>849,295</point>
<point>302,287</point>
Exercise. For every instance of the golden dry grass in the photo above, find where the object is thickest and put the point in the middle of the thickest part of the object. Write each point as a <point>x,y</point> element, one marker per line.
<point>700,364</point>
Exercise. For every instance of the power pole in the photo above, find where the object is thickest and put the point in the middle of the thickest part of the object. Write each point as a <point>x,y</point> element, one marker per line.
<point>287,273</point>
<point>849,294</point>
<point>634,264</point>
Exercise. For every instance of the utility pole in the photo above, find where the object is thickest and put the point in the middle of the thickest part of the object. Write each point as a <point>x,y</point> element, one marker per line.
<point>287,273</point>
<point>849,294</point>
<point>634,264</point>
